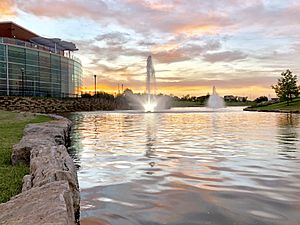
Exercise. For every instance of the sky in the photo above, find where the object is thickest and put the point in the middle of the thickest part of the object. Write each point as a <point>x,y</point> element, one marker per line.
<point>239,46</point>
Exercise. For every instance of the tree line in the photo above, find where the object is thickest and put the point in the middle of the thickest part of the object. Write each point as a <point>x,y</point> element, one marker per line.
<point>286,89</point>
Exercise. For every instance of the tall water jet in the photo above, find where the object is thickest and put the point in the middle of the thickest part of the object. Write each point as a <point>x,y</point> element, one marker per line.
<point>215,101</point>
<point>151,102</point>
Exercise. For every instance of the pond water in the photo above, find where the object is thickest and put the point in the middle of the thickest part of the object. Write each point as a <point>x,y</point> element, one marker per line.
<point>188,166</point>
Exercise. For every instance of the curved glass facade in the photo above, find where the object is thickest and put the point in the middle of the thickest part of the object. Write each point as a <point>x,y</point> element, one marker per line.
<point>29,71</point>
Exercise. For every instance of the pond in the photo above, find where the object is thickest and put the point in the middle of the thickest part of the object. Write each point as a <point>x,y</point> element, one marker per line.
<point>187,166</point>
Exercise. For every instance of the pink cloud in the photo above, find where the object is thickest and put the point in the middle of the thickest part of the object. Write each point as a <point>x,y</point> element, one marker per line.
<point>7,8</point>
<point>64,8</point>
<point>226,56</point>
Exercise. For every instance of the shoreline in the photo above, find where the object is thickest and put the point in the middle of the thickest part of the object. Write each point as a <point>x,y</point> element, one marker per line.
<point>295,111</point>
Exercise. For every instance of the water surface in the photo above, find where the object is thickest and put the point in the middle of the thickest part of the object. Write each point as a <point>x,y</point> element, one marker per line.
<point>186,167</point>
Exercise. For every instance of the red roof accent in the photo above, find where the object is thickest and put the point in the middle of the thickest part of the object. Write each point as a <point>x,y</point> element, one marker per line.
<point>12,30</point>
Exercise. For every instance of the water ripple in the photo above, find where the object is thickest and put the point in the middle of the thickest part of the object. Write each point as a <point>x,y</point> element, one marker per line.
<point>193,167</point>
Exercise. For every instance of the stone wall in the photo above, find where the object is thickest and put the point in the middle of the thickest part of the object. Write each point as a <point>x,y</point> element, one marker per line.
<point>52,105</point>
<point>50,193</point>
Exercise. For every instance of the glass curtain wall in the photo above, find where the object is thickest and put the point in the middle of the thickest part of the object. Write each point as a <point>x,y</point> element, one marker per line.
<point>37,73</point>
<point>3,75</point>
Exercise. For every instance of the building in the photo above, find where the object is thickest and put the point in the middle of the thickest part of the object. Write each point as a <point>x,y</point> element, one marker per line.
<point>31,65</point>
<point>229,98</point>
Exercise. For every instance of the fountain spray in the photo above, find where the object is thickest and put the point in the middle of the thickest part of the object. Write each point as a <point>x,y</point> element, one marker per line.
<point>151,103</point>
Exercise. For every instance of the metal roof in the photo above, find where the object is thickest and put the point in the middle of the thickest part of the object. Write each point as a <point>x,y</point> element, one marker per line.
<point>54,43</point>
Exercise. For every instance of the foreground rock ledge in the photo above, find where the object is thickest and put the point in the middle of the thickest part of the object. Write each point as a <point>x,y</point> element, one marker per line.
<point>48,204</point>
<point>50,193</point>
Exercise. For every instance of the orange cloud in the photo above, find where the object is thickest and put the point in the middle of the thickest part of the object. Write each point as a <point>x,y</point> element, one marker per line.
<point>158,5</point>
<point>7,8</point>
<point>193,30</point>
<point>164,47</point>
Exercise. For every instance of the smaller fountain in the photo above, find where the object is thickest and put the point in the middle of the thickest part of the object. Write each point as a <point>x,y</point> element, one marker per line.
<point>215,101</point>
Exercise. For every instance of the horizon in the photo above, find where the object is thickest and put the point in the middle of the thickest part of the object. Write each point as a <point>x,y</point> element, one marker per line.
<point>241,48</point>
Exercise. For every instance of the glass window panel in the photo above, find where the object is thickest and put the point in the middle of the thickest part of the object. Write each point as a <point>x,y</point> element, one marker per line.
<point>44,59</point>
<point>2,52</point>
<point>32,57</point>
<point>14,71</point>
<point>3,70</point>
<point>16,55</point>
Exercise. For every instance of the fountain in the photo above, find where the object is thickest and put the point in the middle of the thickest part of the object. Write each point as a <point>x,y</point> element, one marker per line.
<point>151,103</point>
<point>215,101</point>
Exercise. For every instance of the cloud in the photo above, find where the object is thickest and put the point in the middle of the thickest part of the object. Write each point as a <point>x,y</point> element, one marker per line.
<point>117,46</point>
<point>186,52</point>
<point>226,56</point>
<point>174,16</point>
<point>228,83</point>
<point>196,86</point>
<point>109,53</point>
<point>114,38</point>
<point>141,16</point>
<point>145,43</point>
<point>7,8</point>
<point>64,8</point>
<point>183,34</point>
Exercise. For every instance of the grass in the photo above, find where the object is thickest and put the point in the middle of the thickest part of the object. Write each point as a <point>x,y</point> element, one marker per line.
<point>198,104</point>
<point>12,125</point>
<point>294,105</point>
<point>185,104</point>
<point>248,103</point>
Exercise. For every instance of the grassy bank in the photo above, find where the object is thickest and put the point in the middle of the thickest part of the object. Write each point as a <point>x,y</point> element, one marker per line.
<point>12,125</point>
<point>185,104</point>
<point>248,103</point>
<point>198,104</point>
<point>277,107</point>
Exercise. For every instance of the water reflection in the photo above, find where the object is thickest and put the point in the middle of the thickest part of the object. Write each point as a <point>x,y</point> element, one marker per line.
<point>288,135</point>
<point>189,168</point>
<point>151,120</point>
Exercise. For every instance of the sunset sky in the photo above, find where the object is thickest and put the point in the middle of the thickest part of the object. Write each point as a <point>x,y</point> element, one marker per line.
<point>239,46</point>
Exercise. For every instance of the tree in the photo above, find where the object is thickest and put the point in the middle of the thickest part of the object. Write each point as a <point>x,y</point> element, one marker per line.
<point>128,92</point>
<point>261,99</point>
<point>286,88</point>
<point>86,95</point>
<point>104,95</point>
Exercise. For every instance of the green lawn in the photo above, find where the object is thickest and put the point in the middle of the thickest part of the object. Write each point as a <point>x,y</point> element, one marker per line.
<point>12,125</point>
<point>248,103</point>
<point>185,104</point>
<point>198,104</point>
<point>295,105</point>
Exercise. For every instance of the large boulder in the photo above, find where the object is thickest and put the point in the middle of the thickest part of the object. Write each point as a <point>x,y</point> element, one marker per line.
<point>53,164</point>
<point>48,204</point>
<point>48,134</point>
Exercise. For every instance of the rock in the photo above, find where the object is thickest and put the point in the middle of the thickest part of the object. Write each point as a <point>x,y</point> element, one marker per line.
<point>92,221</point>
<point>36,135</point>
<point>27,184</point>
<point>21,151</point>
<point>48,204</point>
<point>57,129</point>
<point>54,164</point>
